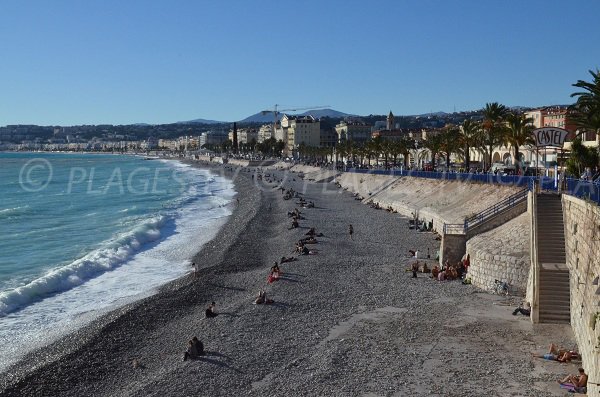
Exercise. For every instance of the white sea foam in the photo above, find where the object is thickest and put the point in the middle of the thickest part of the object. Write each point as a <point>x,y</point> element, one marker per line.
<point>13,211</point>
<point>127,267</point>
<point>112,254</point>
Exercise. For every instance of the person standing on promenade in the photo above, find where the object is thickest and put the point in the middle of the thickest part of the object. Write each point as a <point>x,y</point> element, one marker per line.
<point>351,231</point>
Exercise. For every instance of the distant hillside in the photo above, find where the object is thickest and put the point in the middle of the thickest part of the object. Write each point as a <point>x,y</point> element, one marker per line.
<point>201,121</point>
<point>268,117</point>
<point>326,113</point>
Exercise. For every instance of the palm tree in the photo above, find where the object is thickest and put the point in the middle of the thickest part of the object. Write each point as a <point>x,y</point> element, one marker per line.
<point>450,142</point>
<point>586,111</point>
<point>396,148</point>
<point>377,147</point>
<point>581,157</point>
<point>469,131</point>
<point>518,133</point>
<point>493,128</point>
<point>433,143</point>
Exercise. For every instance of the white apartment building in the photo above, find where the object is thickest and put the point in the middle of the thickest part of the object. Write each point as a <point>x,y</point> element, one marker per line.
<point>244,135</point>
<point>265,132</point>
<point>299,130</point>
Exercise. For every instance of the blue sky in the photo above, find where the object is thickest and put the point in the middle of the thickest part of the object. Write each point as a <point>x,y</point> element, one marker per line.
<point>121,62</point>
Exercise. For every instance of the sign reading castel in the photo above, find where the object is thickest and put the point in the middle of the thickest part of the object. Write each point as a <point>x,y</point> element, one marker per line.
<point>550,136</point>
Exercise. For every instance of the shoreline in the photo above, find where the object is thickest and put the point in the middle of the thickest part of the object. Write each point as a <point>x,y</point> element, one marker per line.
<point>61,345</point>
<point>349,320</point>
<point>57,308</point>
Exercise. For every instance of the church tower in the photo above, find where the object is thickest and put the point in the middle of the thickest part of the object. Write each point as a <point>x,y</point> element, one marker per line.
<point>390,121</point>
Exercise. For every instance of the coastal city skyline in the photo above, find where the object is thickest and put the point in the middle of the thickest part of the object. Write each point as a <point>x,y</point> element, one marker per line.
<point>111,63</point>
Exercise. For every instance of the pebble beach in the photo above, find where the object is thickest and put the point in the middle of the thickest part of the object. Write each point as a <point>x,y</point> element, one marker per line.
<point>347,321</point>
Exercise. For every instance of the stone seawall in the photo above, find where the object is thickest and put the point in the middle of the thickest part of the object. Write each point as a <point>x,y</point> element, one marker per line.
<point>582,243</point>
<point>501,254</point>
<point>430,199</point>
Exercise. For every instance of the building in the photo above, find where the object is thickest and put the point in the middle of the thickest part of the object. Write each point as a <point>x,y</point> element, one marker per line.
<point>299,130</point>
<point>244,135</point>
<point>265,132</point>
<point>328,138</point>
<point>210,138</point>
<point>355,131</point>
<point>537,117</point>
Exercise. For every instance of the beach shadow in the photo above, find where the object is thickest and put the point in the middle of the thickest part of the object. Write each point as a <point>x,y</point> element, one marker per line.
<point>280,305</point>
<point>294,274</point>
<point>293,280</point>
<point>228,314</point>
<point>227,287</point>
<point>219,363</point>
<point>216,354</point>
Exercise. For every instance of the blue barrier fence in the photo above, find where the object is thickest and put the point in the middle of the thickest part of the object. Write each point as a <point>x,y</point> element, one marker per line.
<point>575,187</point>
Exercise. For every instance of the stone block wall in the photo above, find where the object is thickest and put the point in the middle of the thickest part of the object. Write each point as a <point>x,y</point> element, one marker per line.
<point>582,243</point>
<point>501,254</point>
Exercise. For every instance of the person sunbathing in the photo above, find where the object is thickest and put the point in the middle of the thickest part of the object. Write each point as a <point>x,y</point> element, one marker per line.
<point>578,383</point>
<point>210,311</point>
<point>194,350</point>
<point>287,259</point>
<point>275,273</point>
<point>554,349</point>
<point>309,240</point>
<point>555,354</point>
<point>262,298</point>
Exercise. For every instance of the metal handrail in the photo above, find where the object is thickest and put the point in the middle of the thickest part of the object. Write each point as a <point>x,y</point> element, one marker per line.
<point>454,228</point>
<point>508,202</point>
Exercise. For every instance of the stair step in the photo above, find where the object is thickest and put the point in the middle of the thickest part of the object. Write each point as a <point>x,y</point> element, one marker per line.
<point>558,301</point>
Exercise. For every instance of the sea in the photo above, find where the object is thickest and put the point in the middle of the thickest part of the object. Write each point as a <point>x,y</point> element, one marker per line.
<point>83,234</point>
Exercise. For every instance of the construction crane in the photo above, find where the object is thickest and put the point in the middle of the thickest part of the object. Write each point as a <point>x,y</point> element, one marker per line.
<point>276,111</point>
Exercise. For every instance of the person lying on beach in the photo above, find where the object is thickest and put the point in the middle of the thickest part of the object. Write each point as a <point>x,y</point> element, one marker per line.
<point>210,310</point>
<point>562,358</point>
<point>577,383</point>
<point>313,233</point>
<point>306,251</point>
<point>295,224</point>
<point>195,349</point>
<point>526,311</point>
<point>309,240</point>
<point>554,349</point>
<point>287,259</point>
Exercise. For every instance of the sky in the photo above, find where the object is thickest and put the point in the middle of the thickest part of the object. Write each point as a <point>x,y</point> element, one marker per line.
<point>122,62</point>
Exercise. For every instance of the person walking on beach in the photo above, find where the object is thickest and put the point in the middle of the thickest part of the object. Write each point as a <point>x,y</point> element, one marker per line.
<point>351,231</point>
<point>195,269</point>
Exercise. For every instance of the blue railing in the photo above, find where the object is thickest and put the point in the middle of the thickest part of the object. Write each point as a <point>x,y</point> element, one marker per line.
<point>574,187</point>
<point>583,189</point>
<point>516,180</point>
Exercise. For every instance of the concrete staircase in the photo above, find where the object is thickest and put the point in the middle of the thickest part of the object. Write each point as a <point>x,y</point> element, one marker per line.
<point>554,288</point>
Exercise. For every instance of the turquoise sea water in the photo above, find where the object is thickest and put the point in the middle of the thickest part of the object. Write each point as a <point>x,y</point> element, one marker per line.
<point>83,234</point>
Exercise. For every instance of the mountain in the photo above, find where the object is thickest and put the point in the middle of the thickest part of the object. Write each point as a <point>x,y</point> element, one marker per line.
<point>317,113</point>
<point>326,113</point>
<point>201,121</point>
